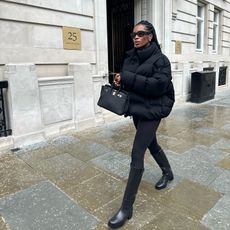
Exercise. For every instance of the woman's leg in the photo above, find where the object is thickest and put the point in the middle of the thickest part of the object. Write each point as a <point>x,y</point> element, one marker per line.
<point>161,159</point>
<point>144,134</point>
<point>125,212</point>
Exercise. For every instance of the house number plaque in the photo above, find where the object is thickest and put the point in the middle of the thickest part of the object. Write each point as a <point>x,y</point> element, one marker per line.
<point>71,38</point>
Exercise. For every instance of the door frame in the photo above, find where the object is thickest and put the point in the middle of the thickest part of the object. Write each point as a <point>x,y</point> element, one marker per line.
<point>159,15</point>
<point>120,22</point>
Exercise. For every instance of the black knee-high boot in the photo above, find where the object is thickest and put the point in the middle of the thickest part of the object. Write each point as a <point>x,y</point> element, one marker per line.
<point>126,210</point>
<point>167,174</point>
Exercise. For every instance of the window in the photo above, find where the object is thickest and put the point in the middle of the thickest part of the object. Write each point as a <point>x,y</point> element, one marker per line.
<point>200,28</point>
<point>216,26</point>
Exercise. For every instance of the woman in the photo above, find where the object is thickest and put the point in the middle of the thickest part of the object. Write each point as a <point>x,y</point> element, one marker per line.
<point>146,75</point>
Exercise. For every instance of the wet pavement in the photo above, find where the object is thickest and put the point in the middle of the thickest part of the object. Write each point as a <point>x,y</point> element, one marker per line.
<point>76,181</point>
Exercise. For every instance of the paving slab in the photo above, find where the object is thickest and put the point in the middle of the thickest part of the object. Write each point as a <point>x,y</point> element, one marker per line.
<point>81,149</point>
<point>222,102</point>
<point>222,183</point>
<point>225,163</point>
<point>146,208</point>
<point>193,169</point>
<point>114,163</point>
<point>16,175</point>
<point>60,167</point>
<point>176,144</point>
<point>3,225</point>
<point>32,154</point>
<point>117,137</point>
<point>223,144</point>
<point>218,217</point>
<point>204,154</point>
<point>76,177</point>
<point>170,220</point>
<point>191,111</point>
<point>190,138</point>
<point>97,191</point>
<point>117,164</point>
<point>191,199</point>
<point>45,207</point>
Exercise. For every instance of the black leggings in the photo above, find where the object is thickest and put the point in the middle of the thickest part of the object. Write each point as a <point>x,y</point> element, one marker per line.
<point>145,138</point>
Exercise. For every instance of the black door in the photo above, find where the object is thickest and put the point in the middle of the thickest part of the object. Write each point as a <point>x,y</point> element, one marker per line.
<point>120,22</point>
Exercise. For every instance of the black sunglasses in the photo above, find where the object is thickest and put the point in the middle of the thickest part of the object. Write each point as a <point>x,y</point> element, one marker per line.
<point>140,33</point>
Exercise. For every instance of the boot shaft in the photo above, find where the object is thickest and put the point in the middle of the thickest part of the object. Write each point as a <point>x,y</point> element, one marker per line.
<point>162,160</point>
<point>133,183</point>
<point>126,210</point>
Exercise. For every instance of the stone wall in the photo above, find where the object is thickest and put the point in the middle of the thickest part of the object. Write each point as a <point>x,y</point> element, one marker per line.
<point>183,29</point>
<point>31,31</point>
<point>52,89</point>
<point>48,106</point>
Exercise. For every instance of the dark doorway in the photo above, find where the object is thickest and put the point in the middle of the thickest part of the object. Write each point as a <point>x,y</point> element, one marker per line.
<point>120,22</point>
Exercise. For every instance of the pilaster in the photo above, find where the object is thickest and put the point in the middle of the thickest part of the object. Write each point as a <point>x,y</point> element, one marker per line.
<point>23,98</point>
<point>101,37</point>
<point>84,95</point>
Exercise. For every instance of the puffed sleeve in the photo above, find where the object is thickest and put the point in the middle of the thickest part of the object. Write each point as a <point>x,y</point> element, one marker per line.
<point>152,86</point>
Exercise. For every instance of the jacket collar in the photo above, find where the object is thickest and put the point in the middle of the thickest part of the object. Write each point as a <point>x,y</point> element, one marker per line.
<point>144,54</point>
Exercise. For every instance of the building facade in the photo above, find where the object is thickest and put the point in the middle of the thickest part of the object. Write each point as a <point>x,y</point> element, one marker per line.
<point>56,54</point>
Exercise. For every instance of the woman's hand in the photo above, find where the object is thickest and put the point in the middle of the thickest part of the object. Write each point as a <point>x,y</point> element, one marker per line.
<point>117,80</point>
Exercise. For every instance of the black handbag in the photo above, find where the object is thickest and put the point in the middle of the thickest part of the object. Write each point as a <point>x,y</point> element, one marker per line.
<point>114,100</point>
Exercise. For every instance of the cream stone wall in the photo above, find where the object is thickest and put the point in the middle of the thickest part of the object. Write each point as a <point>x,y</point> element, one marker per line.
<point>184,30</point>
<point>60,88</point>
<point>32,57</point>
<point>31,31</point>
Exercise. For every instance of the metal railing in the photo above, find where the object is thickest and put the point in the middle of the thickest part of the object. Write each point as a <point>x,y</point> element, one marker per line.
<point>4,130</point>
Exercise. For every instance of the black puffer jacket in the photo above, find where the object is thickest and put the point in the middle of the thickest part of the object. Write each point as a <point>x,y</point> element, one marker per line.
<point>148,82</point>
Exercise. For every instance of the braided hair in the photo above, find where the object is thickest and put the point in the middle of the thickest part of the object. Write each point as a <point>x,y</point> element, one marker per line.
<point>149,27</point>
